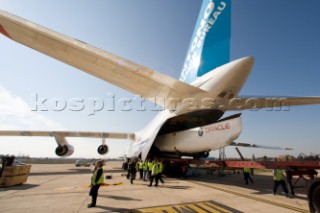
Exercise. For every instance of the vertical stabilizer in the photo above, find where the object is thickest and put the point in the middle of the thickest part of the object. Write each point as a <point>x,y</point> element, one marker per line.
<point>210,42</point>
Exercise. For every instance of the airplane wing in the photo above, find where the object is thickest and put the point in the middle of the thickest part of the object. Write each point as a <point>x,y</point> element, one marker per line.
<point>258,146</point>
<point>69,134</point>
<point>274,103</point>
<point>121,72</point>
<point>64,149</point>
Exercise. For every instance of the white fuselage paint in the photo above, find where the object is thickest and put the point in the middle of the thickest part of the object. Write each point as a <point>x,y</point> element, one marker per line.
<point>228,79</point>
<point>199,139</point>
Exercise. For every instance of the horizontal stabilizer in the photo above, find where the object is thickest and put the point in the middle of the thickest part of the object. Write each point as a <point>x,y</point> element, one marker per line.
<point>275,103</point>
<point>258,146</point>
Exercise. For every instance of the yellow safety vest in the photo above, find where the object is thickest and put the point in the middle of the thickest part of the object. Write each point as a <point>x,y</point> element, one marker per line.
<point>278,174</point>
<point>93,178</point>
<point>150,166</point>
<point>140,165</point>
<point>145,165</point>
<point>155,169</point>
<point>160,167</point>
<point>246,170</point>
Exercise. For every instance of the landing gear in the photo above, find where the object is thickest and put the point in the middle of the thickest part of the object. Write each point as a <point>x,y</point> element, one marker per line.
<point>314,196</point>
<point>201,155</point>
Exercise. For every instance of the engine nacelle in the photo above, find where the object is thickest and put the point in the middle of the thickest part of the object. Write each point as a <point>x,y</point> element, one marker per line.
<point>64,149</point>
<point>103,149</point>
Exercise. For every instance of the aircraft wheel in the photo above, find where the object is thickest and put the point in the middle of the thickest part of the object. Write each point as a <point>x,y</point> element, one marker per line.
<point>315,198</point>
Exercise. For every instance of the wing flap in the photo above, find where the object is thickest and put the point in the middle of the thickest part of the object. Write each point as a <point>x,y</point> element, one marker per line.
<point>106,66</point>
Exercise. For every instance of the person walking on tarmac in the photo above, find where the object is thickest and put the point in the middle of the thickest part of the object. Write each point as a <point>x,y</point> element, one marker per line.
<point>145,170</point>
<point>128,169</point>
<point>160,166</point>
<point>150,166</point>
<point>140,165</point>
<point>279,179</point>
<point>154,173</point>
<point>96,180</point>
<point>133,170</point>
<point>246,174</point>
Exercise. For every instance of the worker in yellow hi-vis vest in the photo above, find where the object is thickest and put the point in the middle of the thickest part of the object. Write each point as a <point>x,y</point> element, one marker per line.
<point>154,173</point>
<point>96,180</point>
<point>246,175</point>
<point>279,179</point>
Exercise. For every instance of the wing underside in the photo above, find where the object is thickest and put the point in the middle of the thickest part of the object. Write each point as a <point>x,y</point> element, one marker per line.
<point>121,72</point>
<point>130,136</point>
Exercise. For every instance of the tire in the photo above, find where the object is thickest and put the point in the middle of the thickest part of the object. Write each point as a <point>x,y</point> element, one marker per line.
<point>315,198</point>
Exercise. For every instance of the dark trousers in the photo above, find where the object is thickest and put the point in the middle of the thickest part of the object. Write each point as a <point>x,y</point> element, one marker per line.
<point>160,178</point>
<point>247,177</point>
<point>132,176</point>
<point>149,175</point>
<point>276,184</point>
<point>141,173</point>
<point>94,194</point>
<point>154,177</point>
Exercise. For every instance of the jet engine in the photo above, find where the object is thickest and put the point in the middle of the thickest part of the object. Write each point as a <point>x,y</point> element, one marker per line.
<point>64,149</point>
<point>103,149</point>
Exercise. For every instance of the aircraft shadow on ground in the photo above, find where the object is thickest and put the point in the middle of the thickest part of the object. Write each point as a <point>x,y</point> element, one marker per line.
<point>263,184</point>
<point>75,171</point>
<point>69,172</point>
<point>25,186</point>
<point>119,210</point>
<point>119,198</point>
<point>176,187</point>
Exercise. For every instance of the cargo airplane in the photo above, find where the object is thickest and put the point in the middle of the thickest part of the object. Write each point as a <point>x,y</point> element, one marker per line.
<point>191,123</point>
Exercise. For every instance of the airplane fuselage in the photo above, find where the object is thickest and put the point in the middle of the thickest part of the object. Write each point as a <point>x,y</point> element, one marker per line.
<point>177,131</point>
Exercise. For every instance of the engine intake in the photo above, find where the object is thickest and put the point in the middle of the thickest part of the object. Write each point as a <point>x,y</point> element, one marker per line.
<point>64,149</point>
<point>103,149</point>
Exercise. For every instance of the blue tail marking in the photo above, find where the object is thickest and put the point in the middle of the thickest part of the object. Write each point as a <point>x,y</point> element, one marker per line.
<point>210,44</point>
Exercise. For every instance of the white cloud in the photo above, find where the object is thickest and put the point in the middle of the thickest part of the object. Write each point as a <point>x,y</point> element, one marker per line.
<point>16,114</point>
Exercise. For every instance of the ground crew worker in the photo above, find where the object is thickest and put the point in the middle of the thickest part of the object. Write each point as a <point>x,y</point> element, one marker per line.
<point>160,166</point>
<point>154,173</point>
<point>145,170</point>
<point>133,170</point>
<point>141,169</point>
<point>96,180</point>
<point>279,179</point>
<point>128,168</point>
<point>150,166</point>
<point>246,174</point>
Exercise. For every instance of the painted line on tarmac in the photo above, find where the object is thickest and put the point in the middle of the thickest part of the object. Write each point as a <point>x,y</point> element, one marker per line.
<point>253,197</point>
<point>197,207</point>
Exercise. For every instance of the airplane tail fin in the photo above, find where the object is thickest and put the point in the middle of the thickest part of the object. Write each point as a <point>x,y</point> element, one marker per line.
<point>210,43</point>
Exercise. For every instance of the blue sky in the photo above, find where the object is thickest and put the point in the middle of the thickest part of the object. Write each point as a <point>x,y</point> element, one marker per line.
<point>283,36</point>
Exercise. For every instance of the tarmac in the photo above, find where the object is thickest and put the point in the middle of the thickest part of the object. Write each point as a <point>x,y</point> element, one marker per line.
<point>64,188</point>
